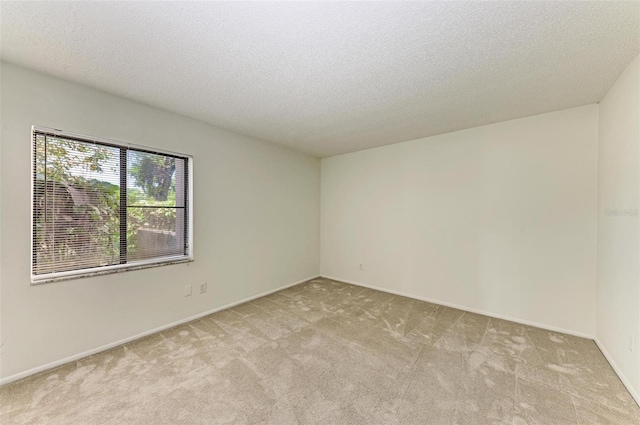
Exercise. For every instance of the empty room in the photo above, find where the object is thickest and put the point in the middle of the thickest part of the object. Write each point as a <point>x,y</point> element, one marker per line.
<point>320,212</point>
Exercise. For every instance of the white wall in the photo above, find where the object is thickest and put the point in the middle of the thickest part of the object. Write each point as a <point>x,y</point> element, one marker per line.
<point>500,219</point>
<point>256,217</point>
<point>618,288</point>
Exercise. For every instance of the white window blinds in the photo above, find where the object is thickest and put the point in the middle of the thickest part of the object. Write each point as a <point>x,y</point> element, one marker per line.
<point>101,207</point>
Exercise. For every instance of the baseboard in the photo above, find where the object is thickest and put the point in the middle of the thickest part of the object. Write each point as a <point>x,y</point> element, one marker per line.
<point>635,394</point>
<point>51,365</point>
<point>464,308</point>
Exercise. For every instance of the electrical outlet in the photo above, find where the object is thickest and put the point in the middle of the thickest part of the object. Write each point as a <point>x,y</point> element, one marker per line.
<point>187,291</point>
<point>203,287</point>
<point>361,266</point>
<point>631,342</point>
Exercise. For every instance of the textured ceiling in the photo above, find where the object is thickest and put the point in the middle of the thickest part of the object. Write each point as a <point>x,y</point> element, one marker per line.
<point>330,78</point>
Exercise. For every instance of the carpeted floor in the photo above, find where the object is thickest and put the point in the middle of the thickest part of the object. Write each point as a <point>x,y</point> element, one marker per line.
<point>326,352</point>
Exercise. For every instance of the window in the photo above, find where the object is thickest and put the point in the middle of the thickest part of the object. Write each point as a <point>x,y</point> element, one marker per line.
<point>102,206</point>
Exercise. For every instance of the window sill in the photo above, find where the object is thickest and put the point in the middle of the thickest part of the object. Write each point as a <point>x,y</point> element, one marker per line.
<point>79,274</point>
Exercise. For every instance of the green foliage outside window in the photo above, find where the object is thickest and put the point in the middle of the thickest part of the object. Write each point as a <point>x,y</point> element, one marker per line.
<point>77,202</point>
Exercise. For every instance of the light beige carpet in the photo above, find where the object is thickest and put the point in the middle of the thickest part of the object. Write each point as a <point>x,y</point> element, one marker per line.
<point>326,352</point>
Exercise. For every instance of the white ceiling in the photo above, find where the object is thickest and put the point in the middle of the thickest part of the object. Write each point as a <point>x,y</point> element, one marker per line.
<point>330,78</point>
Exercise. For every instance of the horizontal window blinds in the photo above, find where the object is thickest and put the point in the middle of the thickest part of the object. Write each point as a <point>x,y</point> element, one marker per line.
<point>97,205</point>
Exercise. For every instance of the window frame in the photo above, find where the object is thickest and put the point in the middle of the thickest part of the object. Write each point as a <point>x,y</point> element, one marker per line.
<point>116,268</point>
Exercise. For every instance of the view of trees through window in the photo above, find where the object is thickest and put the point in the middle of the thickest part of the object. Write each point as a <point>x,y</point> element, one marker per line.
<point>78,214</point>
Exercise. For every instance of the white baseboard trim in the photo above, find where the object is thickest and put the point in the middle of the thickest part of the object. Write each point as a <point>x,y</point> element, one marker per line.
<point>464,308</point>
<point>51,365</point>
<point>635,394</point>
